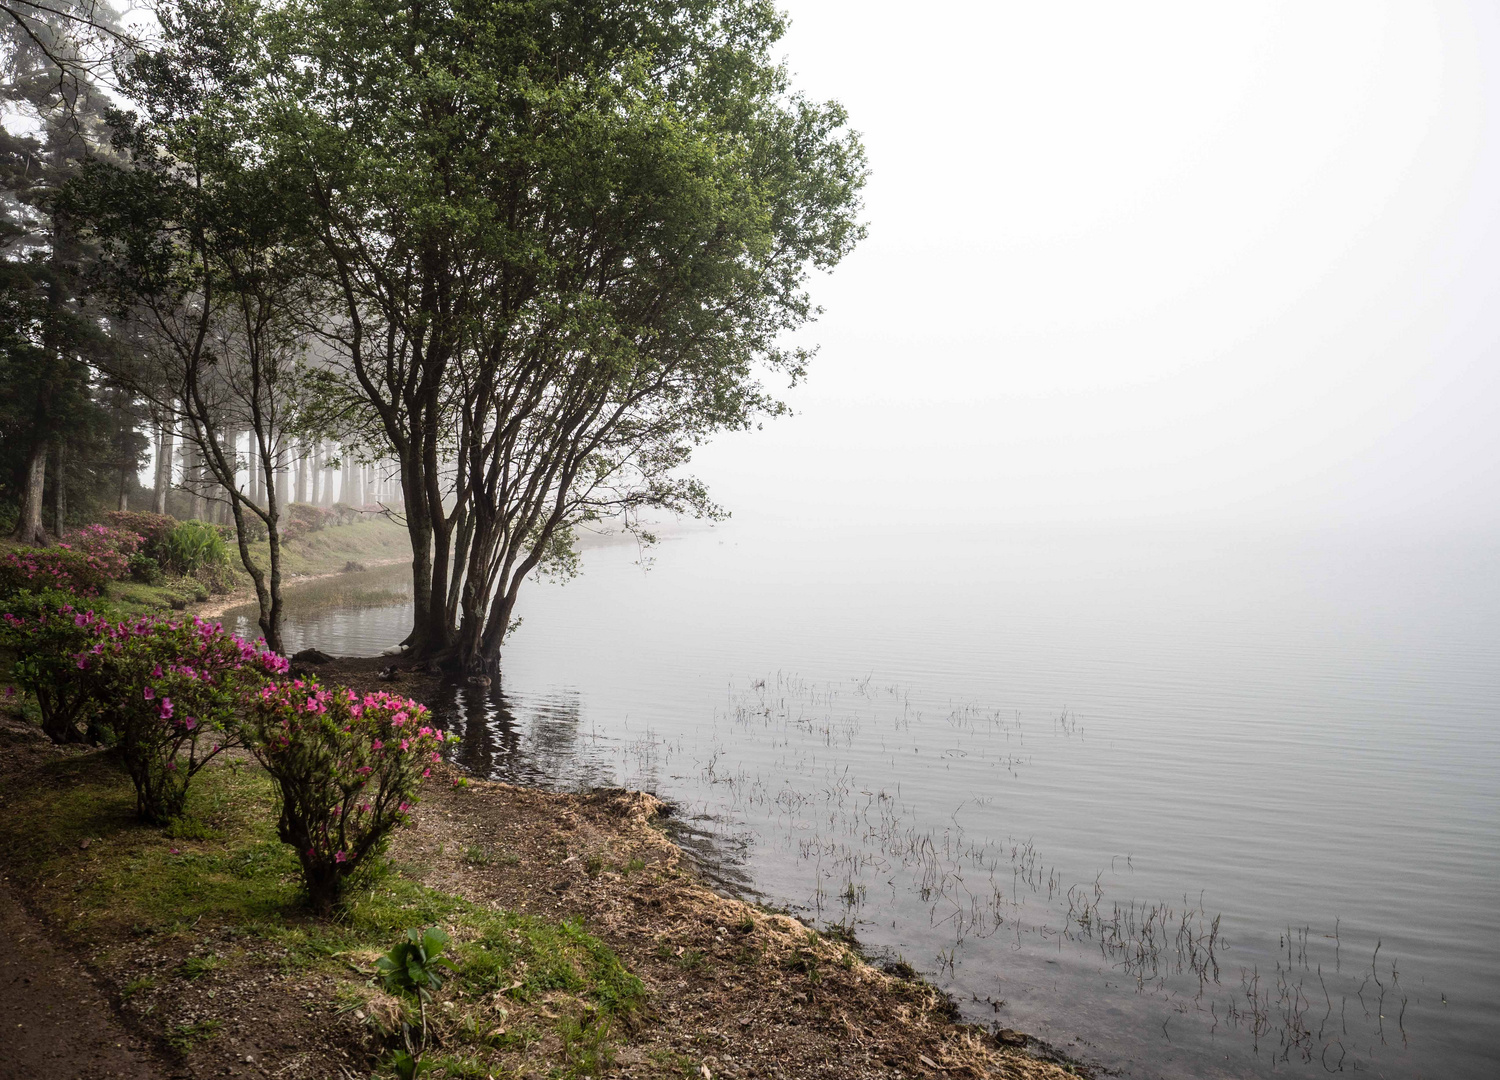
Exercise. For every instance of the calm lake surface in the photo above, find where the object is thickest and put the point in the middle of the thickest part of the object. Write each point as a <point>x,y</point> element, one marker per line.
<point>1182,806</point>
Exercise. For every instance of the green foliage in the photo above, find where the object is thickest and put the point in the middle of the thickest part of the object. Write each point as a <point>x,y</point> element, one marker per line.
<point>407,1066</point>
<point>145,569</point>
<point>550,956</point>
<point>194,545</point>
<point>183,1037</point>
<point>416,965</point>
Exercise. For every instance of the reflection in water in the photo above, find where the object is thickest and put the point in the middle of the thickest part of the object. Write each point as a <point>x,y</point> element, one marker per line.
<point>536,741</point>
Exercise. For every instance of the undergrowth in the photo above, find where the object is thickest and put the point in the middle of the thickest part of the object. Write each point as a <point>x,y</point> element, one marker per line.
<point>221,871</point>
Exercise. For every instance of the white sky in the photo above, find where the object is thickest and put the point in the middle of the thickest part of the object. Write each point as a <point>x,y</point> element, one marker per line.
<point>1159,262</point>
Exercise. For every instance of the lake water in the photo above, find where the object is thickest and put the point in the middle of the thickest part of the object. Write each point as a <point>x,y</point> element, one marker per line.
<point>1184,806</point>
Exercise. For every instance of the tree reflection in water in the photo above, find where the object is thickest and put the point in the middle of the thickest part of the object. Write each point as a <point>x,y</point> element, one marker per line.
<point>523,740</point>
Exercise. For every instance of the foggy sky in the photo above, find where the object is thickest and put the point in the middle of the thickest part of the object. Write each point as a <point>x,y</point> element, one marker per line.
<point>1189,263</point>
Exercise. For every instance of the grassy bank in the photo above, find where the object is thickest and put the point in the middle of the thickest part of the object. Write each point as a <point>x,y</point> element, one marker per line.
<point>374,541</point>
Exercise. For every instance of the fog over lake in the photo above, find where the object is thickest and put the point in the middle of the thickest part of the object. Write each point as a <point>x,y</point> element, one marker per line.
<point>1113,633</point>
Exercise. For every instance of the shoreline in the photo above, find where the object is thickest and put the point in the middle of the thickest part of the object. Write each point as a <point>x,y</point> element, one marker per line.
<point>732,990</point>
<point>244,595</point>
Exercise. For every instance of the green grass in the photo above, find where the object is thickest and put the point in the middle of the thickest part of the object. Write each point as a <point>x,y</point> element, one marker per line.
<point>224,868</point>
<point>375,539</point>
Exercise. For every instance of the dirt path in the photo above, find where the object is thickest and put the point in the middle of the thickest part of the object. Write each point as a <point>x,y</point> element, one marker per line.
<point>55,1024</point>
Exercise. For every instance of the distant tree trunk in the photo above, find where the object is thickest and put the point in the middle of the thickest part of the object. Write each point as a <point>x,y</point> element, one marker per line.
<point>319,486</point>
<point>163,478</point>
<point>281,469</point>
<point>59,489</point>
<point>364,485</point>
<point>252,468</point>
<point>301,474</point>
<point>29,529</point>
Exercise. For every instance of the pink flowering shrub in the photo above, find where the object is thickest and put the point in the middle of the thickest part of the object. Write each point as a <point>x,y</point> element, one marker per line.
<point>35,569</point>
<point>170,691</point>
<point>304,518</point>
<point>153,529</point>
<point>348,768</point>
<point>83,562</point>
<point>44,634</point>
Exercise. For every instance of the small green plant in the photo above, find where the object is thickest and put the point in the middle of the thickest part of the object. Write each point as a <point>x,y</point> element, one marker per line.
<point>196,966</point>
<point>135,986</point>
<point>145,569</point>
<point>416,965</point>
<point>478,855</point>
<point>685,958</point>
<point>594,865</point>
<point>183,1036</point>
<point>632,866</point>
<point>585,1045</point>
<point>805,963</point>
<point>408,1066</point>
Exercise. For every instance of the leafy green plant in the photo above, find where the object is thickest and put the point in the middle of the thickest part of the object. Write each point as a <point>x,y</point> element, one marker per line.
<point>145,569</point>
<point>183,1036</point>
<point>192,545</point>
<point>408,1066</point>
<point>416,965</point>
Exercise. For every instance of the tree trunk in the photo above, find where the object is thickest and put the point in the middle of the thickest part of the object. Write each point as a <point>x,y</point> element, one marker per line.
<point>301,474</point>
<point>163,478</point>
<point>59,490</point>
<point>252,468</point>
<point>195,480</point>
<point>29,529</point>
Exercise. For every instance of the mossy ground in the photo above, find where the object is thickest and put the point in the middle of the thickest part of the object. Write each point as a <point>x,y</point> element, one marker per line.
<point>177,917</point>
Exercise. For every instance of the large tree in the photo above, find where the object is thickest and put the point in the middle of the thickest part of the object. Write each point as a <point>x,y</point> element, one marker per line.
<point>566,241</point>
